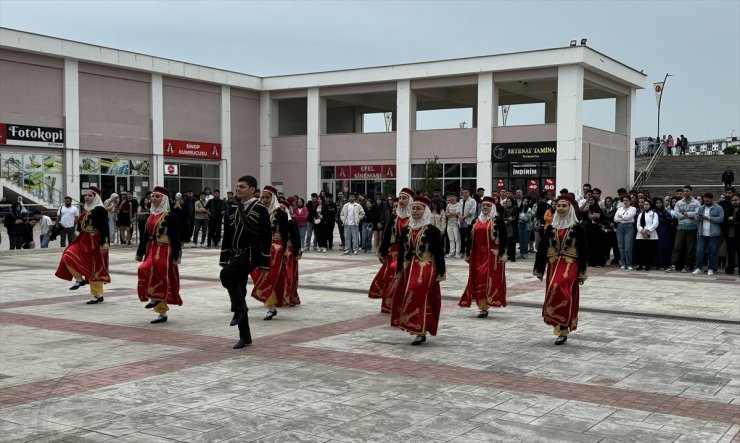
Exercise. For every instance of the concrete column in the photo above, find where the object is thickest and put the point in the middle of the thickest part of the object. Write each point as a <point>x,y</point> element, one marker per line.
<point>224,181</point>
<point>570,127</point>
<point>406,116</point>
<point>268,114</point>
<point>551,110</point>
<point>72,186</point>
<point>158,160</point>
<point>313,141</point>
<point>624,122</point>
<point>485,125</point>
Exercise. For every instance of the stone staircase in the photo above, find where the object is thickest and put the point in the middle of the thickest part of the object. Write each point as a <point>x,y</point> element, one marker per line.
<point>702,172</point>
<point>11,190</point>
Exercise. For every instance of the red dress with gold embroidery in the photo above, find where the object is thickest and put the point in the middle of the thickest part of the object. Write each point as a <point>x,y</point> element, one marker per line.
<point>418,299</point>
<point>486,275</point>
<point>267,285</point>
<point>383,285</point>
<point>85,254</point>
<point>159,275</point>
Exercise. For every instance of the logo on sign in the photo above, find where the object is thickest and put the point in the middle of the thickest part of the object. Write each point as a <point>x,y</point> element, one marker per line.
<point>33,136</point>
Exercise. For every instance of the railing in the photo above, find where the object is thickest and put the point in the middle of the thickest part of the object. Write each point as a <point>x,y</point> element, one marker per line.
<point>645,173</point>
<point>35,183</point>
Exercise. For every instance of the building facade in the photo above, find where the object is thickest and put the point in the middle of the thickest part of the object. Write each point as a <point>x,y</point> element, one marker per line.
<point>75,114</point>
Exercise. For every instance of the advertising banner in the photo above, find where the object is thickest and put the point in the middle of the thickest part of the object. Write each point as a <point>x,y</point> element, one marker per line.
<point>21,135</point>
<point>528,151</point>
<point>189,149</point>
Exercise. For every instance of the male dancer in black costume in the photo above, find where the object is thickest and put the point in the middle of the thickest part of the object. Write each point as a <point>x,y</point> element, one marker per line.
<point>246,246</point>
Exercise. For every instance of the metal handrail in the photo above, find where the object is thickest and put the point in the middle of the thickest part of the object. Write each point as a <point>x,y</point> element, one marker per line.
<point>17,175</point>
<point>645,173</point>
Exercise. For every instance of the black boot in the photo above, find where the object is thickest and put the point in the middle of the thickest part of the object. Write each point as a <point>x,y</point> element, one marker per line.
<point>77,285</point>
<point>419,340</point>
<point>561,340</point>
<point>152,304</point>
<point>239,315</point>
<point>245,335</point>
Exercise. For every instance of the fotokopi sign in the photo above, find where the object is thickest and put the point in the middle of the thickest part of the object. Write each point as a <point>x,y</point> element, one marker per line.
<point>22,135</point>
<point>189,149</point>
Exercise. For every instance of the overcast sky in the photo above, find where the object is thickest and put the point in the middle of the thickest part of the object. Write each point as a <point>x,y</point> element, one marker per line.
<point>696,41</point>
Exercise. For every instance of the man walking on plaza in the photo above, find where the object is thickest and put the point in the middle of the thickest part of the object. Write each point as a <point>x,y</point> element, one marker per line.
<point>466,216</point>
<point>351,216</point>
<point>67,218</point>
<point>728,177</point>
<point>246,247</point>
<point>684,246</point>
<point>710,217</point>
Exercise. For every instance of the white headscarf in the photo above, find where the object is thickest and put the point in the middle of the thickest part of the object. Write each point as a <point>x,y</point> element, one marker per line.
<point>273,202</point>
<point>565,223</point>
<point>164,206</point>
<point>405,212</point>
<point>96,202</point>
<point>491,215</point>
<point>425,219</point>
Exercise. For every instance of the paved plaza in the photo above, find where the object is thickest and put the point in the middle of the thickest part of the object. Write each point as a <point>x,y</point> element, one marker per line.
<point>656,358</point>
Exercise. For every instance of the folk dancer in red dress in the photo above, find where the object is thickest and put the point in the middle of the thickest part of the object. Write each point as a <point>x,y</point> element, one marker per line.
<point>288,285</point>
<point>86,258</point>
<point>488,255</point>
<point>266,284</point>
<point>563,250</point>
<point>419,269</point>
<point>160,253</point>
<point>383,285</point>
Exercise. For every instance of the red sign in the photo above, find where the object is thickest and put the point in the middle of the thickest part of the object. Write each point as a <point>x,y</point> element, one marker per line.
<point>500,183</point>
<point>550,186</point>
<point>365,172</point>
<point>2,134</point>
<point>533,185</point>
<point>179,148</point>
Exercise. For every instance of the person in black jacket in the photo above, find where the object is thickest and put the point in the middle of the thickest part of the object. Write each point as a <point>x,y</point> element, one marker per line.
<point>564,252</point>
<point>216,208</point>
<point>14,224</point>
<point>245,247</point>
<point>728,177</point>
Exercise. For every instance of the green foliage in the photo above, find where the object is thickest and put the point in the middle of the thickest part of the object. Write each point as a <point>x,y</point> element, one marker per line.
<point>732,150</point>
<point>432,174</point>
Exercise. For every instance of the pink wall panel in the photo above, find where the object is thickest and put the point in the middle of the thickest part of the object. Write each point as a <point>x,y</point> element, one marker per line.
<point>445,143</point>
<point>289,164</point>
<point>245,137</point>
<point>31,94</point>
<point>379,146</point>
<point>192,111</point>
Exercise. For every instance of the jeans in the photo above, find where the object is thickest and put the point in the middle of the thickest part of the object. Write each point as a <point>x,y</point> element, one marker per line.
<point>69,233</point>
<point>523,239</point>
<point>453,233</point>
<point>625,239</point>
<point>310,232</point>
<point>351,237</point>
<point>200,223</point>
<point>302,235</point>
<point>366,239</point>
<point>44,240</point>
<point>709,245</point>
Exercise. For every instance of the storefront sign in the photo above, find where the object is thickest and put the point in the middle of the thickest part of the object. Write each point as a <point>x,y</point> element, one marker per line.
<point>539,151</point>
<point>533,185</point>
<point>21,135</point>
<point>179,148</point>
<point>525,170</point>
<point>550,185</point>
<point>365,172</point>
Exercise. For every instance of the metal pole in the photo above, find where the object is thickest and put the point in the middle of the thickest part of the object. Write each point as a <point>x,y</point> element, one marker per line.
<point>658,140</point>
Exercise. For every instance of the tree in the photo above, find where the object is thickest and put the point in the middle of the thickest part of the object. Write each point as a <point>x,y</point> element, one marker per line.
<point>432,174</point>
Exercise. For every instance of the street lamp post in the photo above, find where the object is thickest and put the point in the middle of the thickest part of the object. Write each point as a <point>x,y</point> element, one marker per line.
<point>659,88</point>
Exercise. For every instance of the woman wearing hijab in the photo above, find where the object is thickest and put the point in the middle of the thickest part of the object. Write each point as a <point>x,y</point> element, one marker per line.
<point>287,288</point>
<point>86,258</point>
<point>488,255</point>
<point>266,283</point>
<point>665,246</point>
<point>160,252</point>
<point>646,238</point>
<point>563,251</point>
<point>420,266</point>
<point>383,285</point>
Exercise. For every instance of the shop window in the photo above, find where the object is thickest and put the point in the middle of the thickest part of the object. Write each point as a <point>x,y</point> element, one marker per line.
<point>417,170</point>
<point>327,172</point>
<point>469,170</point>
<point>452,169</point>
<point>191,170</point>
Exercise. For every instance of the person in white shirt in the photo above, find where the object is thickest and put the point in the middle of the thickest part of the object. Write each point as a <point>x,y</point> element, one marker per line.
<point>453,223</point>
<point>45,224</point>
<point>351,216</point>
<point>466,215</point>
<point>67,218</point>
<point>646,238</point>
<point>625,221</point>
